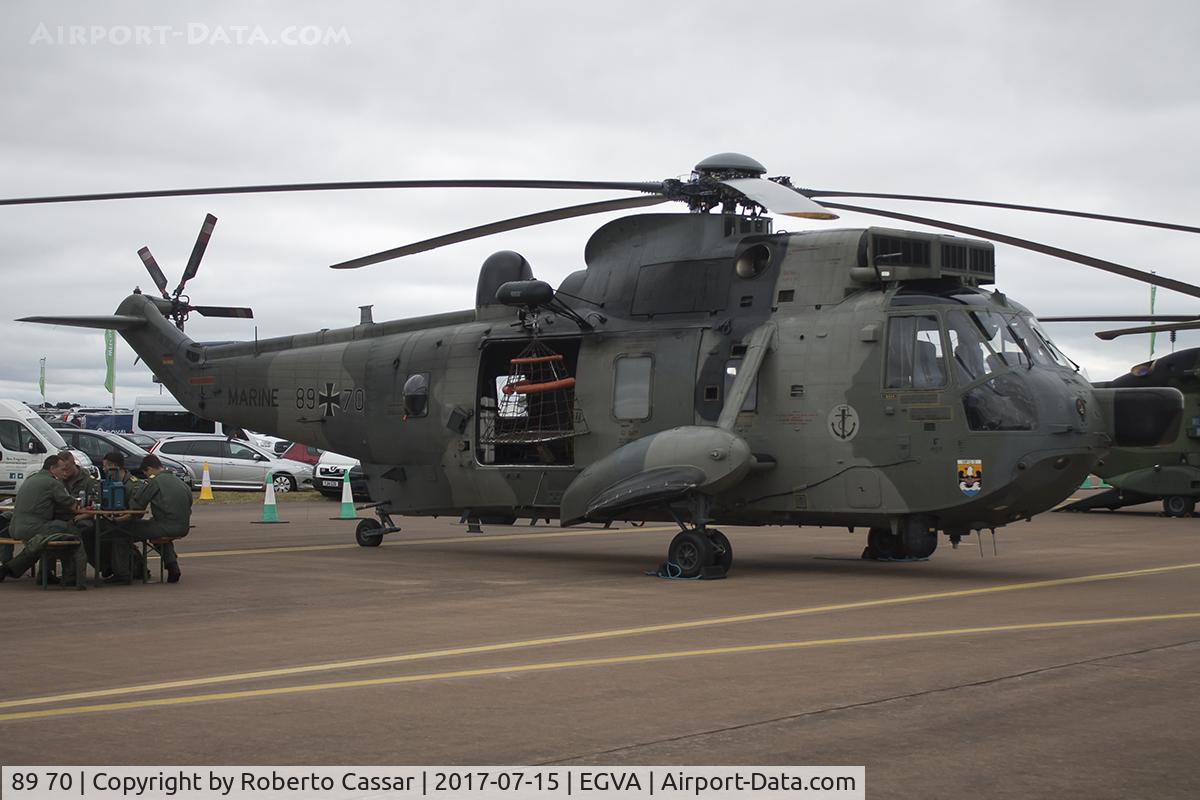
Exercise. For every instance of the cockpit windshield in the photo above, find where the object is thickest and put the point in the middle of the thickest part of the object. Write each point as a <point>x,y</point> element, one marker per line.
<point>1059,356</point>
<point>1006,345</point>
<point>973,355</point>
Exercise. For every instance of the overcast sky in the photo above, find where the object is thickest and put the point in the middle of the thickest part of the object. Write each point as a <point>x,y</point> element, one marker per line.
<point>1086,105</point>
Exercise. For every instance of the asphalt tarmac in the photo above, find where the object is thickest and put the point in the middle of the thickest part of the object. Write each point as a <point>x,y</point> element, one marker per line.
<point>1066,663</point>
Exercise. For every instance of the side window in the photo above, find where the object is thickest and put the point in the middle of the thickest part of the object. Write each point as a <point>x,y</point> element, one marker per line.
<point>206,449</point>
<point>175,448</point>
<point>9,438</point>
<point>94,447</point>
<point>731,371</point>
<point>416,395</point>
<point>915,359</point>
<point>240,451</point>
<point>631,387</point>
<point>175,422</point>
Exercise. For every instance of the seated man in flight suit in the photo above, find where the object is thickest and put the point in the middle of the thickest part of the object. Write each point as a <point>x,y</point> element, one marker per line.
<point>170,501</point>
<point>117,560</point>
<point>41,499</point>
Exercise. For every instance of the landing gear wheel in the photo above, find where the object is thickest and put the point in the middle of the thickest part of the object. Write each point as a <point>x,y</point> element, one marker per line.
<point>883,545</point>
<point>1178,506</point>
<point>691,552</point>
<point>722,550</point>
<point>366,534</point>
<point>918,542</point>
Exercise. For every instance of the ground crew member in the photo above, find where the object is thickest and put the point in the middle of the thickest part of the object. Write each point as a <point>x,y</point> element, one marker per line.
<point>117,555</point>
<point>83,488</point>
<point>112,468</point>
<point>6,550</point>
<point>77,480</point>
<point>42,498</point>
<point>170,501</point>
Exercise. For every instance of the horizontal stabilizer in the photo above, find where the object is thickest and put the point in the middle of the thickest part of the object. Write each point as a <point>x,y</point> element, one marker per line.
<point>114,322</point>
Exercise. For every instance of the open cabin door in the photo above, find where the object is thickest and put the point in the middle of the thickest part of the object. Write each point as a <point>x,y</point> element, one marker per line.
<point>527,412</point>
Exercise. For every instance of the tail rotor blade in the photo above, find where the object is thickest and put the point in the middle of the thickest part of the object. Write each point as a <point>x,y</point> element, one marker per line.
<point>223,311</point>
<point>156,274</point>
<point>201,245</point>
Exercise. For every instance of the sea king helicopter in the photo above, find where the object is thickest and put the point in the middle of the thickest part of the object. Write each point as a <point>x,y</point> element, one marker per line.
<point>701,368</point>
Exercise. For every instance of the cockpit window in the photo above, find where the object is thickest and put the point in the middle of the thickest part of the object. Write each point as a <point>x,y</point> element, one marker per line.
<point>1034,344</point>
<point>973,356</point>
<point>915,359</point>
<point>1058,355</point>
<point>1006,346</point>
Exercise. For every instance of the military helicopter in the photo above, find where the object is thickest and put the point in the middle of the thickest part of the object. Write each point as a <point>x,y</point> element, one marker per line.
<point>1169,474</point>
<point>702,368</point>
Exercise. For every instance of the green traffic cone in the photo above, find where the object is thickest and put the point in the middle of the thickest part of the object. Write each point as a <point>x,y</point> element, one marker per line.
<point>270,514</point>
<point>347,511</point>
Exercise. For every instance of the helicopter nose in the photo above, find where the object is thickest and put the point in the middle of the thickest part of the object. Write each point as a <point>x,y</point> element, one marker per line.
<point>1141,417</point>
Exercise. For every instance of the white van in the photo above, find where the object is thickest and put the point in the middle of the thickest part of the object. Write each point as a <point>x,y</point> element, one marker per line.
<point>25,441</point>
<point>160,416</point>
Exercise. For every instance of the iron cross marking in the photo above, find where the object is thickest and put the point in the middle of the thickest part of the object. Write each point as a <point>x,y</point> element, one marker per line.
<point>330,400</point>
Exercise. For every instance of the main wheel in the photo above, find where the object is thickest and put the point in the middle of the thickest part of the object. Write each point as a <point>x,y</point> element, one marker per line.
<point>691,552</point>
<point>722,550</point>
<point>918,541</point>
<point>284,483</point>
<point>366,534</point>
<point>1178,505</point>
<point>882,544</point>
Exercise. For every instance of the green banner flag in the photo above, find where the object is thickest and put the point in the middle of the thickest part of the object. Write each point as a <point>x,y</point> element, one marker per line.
<point>110,351</point>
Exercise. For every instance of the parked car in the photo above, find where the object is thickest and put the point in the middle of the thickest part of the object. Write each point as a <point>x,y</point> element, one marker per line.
<point>98,444</point>
<point>301,452</point>
<point>330,471</point>
<point>234,464</point>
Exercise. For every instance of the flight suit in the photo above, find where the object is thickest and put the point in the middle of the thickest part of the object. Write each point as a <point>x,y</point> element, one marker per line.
<point>42,498</point>
<point>6,550</point>
<point>116,554</point>
<point>80,482</point>
<point>170,501</point>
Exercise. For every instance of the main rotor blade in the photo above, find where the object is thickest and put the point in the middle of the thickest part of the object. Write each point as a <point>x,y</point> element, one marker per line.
<point>1168,328</point>
<point>1011,206</point>
<point>223,311</point>
<point>198,249</point>
<point>779,199</point>
<point>1037,247</point>
<point>156,274</point>
<point>500,227</point>
<point>1134,318</point>
<point>633,186</point>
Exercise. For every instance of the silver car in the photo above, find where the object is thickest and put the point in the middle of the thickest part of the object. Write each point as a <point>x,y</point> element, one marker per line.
<point>235,464</point>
